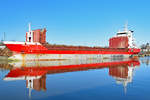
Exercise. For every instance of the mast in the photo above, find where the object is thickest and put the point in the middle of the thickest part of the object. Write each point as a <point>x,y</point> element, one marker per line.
<point>29,36</point>
<point>29,27</point>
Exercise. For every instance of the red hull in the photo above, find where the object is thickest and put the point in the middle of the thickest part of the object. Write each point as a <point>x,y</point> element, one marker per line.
<point>40,49</point>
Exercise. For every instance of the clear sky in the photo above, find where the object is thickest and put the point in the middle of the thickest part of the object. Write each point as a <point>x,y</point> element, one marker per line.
<point>75,22</point>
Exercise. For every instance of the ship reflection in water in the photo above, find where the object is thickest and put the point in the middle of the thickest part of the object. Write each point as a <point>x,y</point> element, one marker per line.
<point>34,72</point>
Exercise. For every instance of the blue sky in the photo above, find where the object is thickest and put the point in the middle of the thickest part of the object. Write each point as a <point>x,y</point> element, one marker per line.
<point>75,22</point>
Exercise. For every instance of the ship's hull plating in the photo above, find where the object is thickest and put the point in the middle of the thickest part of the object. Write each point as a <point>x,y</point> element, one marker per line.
<point>3,57</point>
<point>65,56</point>
<point>35,51</point>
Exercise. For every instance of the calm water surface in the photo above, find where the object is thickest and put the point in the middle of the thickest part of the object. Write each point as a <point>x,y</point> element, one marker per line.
<point>117,79</point>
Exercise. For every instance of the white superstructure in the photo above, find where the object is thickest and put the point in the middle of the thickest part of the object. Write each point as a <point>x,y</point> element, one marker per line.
<point>129,34</point>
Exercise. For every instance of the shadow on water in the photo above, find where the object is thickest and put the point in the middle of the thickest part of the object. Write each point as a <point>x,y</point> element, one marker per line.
<point>35,72</point>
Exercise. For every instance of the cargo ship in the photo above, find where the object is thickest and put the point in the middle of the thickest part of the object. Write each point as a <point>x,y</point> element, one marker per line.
<point>36,48</point>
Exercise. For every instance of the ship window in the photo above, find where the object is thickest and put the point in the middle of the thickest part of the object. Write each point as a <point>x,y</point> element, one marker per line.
<point>120,33</point>
<point>29,39</point>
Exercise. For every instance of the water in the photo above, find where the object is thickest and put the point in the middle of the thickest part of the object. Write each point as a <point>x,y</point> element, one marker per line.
<point>118,79</point>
